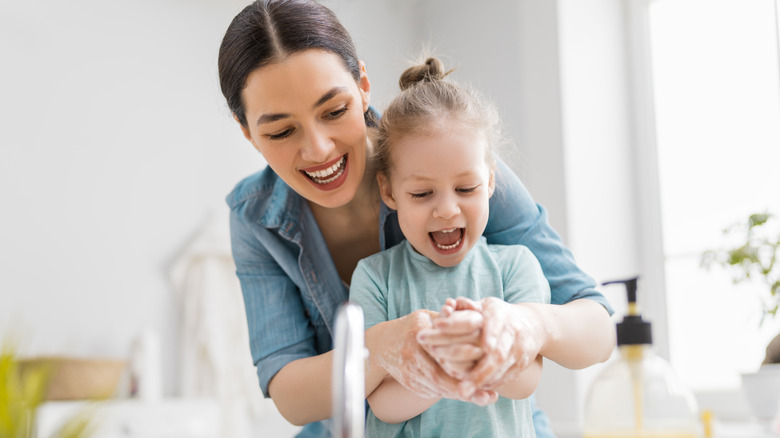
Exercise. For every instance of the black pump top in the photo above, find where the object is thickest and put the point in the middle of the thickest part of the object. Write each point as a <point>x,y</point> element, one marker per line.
<point>633,330</point>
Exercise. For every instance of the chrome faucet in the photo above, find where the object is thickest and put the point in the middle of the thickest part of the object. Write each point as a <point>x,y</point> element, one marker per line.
<point>349,409</point>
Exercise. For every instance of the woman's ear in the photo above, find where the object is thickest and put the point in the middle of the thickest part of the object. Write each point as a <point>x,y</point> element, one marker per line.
<point>244,129</point>
<point>385,191</point>
<point>364,85</point>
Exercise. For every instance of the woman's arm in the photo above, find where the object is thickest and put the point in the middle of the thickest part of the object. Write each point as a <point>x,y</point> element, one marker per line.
<point>391,402</point>
<point>575,335</point>
<point>301,390</point>
<point>575,329</point>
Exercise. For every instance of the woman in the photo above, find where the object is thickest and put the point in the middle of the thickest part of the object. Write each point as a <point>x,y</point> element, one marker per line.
<point>292,79</point>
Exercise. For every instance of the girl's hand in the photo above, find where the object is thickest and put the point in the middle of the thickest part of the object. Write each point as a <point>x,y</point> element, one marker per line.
<point>512,337</point>
<point>409,363</point>
<point>456,345</point>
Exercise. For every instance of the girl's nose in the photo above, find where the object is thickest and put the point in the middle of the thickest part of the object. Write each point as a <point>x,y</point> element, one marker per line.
<point>318,146</point>
<point>446,208</point>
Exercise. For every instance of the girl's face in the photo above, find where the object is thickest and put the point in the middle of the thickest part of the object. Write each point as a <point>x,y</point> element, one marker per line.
<point>440,185</point>
<point>305,115</point>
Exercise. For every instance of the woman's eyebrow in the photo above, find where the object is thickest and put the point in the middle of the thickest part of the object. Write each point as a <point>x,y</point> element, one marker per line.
<point>268,118</point>
<point>329,95</point>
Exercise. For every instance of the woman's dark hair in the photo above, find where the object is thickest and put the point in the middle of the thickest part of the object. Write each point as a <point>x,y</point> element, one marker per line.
<point>268,31</point>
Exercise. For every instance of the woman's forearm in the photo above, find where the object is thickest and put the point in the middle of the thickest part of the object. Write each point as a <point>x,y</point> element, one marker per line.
<point>578,334</point>
<point>302,389</point>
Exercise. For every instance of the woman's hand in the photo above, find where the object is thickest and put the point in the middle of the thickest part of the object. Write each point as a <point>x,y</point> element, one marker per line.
<point>512,337</point>
<point>404,358</point>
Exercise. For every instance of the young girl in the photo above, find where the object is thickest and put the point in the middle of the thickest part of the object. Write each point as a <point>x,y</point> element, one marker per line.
<point>435,165</point>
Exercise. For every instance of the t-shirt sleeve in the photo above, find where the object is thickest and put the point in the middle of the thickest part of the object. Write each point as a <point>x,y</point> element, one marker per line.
<point>369,290</point>
<point>524,280</point>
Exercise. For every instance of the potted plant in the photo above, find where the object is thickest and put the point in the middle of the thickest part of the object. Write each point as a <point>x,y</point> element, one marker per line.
<point>23,391</point>
<point>753,257</point>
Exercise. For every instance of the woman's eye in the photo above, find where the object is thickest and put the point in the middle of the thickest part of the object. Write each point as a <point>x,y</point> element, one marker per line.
<point>467,189</point>
<point>337,113</point>
<point>281,135</point>
<point>419,195</point>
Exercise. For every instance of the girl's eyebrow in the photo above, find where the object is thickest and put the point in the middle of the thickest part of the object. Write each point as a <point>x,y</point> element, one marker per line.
<point>268,118</point>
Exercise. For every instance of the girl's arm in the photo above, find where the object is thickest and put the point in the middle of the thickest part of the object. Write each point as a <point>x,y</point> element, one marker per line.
<point>521,384</point>
<point>391,402</point>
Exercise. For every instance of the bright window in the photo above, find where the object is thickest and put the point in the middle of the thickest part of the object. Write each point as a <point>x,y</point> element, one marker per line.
<point>717,110</point>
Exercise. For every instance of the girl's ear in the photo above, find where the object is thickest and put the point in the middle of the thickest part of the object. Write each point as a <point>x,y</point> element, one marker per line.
<point>385,191</point>
<point>492,183</point>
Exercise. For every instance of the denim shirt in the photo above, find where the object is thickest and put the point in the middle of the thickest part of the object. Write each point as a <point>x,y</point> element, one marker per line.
<point>292,289</point>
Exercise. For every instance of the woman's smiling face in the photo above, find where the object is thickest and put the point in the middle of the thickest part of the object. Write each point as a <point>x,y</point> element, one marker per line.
<point>305,115</point>
<point>440,184</point>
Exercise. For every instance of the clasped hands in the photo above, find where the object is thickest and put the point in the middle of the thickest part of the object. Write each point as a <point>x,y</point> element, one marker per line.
<point>466,350</point>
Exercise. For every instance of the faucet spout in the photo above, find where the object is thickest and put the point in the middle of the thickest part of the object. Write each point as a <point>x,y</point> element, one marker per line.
<point>348,382</point>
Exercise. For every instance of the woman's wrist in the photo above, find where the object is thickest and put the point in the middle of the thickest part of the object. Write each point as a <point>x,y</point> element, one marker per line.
<point>375,338</point>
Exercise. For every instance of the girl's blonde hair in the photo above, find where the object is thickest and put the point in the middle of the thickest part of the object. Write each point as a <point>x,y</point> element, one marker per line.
<point>430,103</point>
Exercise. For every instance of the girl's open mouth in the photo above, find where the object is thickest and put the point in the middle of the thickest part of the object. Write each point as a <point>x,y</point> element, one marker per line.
<point>447,241</point>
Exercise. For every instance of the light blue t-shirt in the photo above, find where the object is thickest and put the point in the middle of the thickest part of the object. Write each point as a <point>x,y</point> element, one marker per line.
<point>398,281</point>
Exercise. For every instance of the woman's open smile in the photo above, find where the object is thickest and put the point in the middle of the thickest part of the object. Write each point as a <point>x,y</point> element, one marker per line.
<point>330,175</point>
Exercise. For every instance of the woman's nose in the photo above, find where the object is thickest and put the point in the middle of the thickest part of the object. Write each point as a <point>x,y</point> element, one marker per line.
<point>317,147</point>
<point>446,208</point>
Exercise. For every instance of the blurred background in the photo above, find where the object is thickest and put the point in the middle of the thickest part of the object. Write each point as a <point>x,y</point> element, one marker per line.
<point>644,127</point>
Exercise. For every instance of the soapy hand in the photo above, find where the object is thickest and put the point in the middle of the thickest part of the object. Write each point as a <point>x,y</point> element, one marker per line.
<point>454,341</point>
<point>456,348</point>
<point>512,336</point>
<point>409,363</point>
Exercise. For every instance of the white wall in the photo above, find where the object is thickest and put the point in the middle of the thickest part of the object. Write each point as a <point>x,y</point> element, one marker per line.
<point>116,144</point>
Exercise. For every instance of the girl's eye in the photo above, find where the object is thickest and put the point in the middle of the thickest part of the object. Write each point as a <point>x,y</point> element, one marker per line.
<point>337,113</point>
<point>467,189</point>
<point>281,135</point>
<point>419,195</point>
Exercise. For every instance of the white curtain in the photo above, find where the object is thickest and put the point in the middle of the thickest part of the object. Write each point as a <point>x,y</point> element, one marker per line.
<point>216,361</point>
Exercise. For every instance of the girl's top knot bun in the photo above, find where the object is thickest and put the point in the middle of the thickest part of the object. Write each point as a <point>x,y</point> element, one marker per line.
<point>432,70</point>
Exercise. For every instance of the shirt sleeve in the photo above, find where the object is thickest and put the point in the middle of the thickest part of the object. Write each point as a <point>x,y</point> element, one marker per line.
<point>524,280</point>
<point>369,291</point>
<point>516,219</point>
<point>279,331</point>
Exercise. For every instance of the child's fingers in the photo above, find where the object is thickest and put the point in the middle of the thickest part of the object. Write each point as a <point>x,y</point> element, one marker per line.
<point>463,303</point>
<point>457,370</point>
<point>461,321</point>
<point>457,353</point>
<point>435,337</point>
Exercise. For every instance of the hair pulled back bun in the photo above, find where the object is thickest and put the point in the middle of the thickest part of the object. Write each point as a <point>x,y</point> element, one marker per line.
<point>431,70</point>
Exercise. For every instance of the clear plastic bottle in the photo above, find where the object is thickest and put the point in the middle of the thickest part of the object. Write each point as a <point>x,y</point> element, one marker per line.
<point>637,394</point>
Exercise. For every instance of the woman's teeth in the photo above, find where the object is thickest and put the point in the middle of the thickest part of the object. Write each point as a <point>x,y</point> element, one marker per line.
<point>330,174</point>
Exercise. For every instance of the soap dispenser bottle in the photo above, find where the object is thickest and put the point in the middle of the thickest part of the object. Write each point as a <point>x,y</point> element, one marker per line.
<point>637,394</point>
